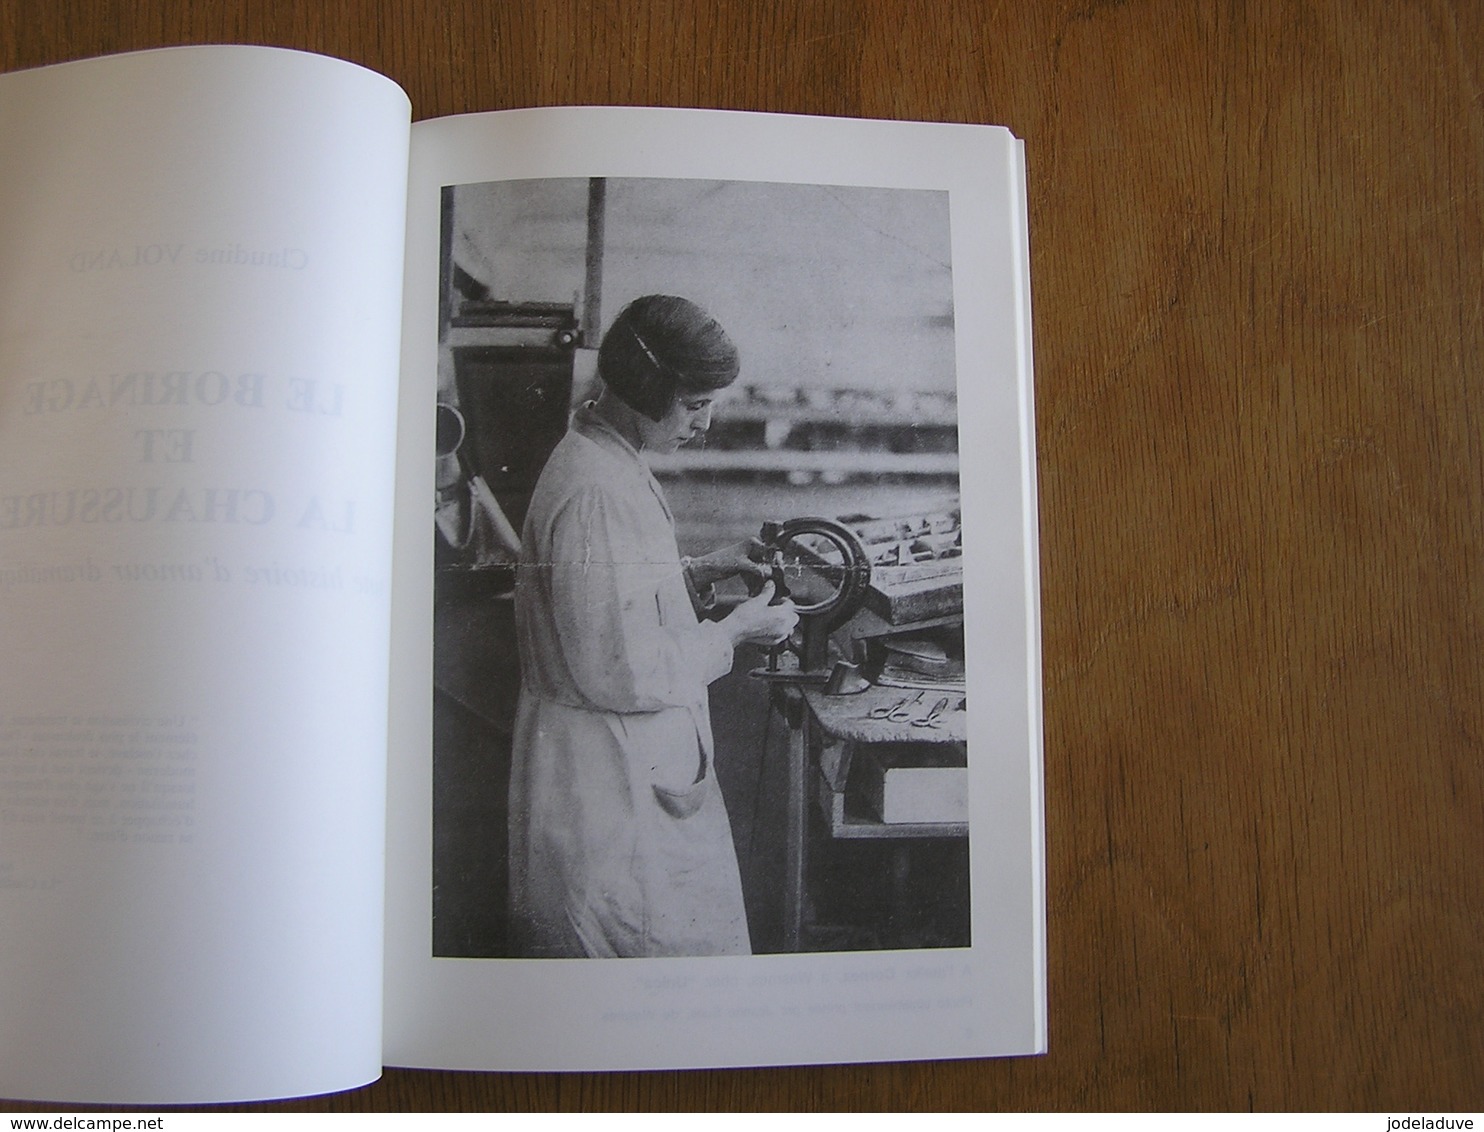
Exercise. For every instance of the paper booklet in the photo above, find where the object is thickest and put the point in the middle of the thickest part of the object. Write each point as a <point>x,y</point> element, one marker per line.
<point>280,375</point>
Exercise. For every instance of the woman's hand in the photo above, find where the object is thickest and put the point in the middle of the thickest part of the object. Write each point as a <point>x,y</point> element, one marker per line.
<point>757,622</point>
<point>748,557</point>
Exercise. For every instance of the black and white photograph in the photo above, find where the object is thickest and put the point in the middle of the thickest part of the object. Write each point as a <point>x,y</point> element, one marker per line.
<point>699,655</point>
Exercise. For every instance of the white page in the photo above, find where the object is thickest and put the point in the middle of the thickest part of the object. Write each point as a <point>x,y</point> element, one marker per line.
<point>193,571</point>
<point>986,999</point>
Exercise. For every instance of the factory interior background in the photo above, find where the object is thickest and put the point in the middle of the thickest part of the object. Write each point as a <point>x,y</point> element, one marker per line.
<point>840,299</point>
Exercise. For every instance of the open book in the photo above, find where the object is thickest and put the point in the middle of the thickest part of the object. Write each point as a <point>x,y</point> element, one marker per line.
<point>279,374</point>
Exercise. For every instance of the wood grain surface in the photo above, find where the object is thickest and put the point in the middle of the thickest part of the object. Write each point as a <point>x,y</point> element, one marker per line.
<point>1258,274</point>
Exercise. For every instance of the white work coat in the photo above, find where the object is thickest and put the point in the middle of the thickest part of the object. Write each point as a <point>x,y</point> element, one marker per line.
<point>619,839</point>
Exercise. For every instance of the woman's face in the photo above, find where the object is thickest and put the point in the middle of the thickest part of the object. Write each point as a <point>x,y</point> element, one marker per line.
<point>689,417</point>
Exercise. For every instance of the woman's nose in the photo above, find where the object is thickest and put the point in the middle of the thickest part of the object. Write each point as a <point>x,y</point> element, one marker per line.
<point>702,420</point>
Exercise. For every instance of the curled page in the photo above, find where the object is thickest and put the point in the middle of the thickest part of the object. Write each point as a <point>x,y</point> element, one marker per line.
<point>199,312</point>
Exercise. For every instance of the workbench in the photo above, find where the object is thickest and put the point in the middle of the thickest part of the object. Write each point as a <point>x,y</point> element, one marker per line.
<point>826,733</point>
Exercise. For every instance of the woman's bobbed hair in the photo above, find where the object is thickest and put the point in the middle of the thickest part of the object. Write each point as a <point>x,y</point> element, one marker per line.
<point>661,347</point>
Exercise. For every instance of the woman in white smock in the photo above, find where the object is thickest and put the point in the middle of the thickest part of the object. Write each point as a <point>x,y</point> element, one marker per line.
<point>619,839</point>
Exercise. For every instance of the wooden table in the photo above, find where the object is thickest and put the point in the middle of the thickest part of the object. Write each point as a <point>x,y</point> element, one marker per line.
<point>1257,235</point>
<point>824,733</point>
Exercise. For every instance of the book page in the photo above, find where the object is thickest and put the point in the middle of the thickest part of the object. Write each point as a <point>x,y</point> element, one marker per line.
<point>798,874</point>
<point>200,261</point>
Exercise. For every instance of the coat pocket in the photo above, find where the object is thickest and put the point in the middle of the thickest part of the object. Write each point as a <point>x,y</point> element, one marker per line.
<point>683,803</point>
<point>664,749</point>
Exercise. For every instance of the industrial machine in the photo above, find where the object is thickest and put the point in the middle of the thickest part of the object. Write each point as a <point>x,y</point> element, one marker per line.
<point>822,567</point>
<point>513,370</point>
<point>884,595</point>
<point>871,686</point>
